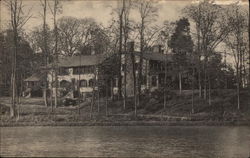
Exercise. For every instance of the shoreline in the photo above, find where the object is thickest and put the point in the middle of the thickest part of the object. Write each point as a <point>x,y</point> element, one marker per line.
<point>128,123</point>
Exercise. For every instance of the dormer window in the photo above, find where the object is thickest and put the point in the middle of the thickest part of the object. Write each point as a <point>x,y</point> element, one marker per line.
<point>83,70</point>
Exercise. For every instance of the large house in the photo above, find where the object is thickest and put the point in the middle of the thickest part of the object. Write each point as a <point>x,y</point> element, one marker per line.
<point>153,70</point>
<point>78,73</point>
<point>72,72</point>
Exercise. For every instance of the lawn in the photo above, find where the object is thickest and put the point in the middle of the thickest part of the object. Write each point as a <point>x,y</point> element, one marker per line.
<point>223,108</point>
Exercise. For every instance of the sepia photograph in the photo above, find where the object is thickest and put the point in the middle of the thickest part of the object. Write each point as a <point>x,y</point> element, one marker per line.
<point>125,78</point>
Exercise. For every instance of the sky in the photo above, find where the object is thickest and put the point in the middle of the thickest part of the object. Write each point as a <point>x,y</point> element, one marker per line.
<point>100,10</point>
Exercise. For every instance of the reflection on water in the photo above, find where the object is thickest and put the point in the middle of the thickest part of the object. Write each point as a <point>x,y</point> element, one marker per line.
<point>221,142</point>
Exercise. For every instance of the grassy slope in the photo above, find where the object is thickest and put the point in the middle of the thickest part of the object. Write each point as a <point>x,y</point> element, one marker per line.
<point>223,107</point>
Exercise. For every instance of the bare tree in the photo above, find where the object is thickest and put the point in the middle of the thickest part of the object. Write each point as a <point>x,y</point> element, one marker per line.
<point>237,42</point>
<point>148,12</point>
<point>126,29</point>
<point>135,78</point>
<point>44,4</point>
<point>74,33</point>
<point>164,37</point>
<point>17,21</point>
<point>211,30</point>
<point>121,12</point>
<point>55,11</point>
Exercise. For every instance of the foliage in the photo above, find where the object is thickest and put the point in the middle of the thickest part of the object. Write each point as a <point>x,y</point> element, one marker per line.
<point>25,57</point>
<point>35,39</point>
<point>74,33</point>
<point>181,42</point>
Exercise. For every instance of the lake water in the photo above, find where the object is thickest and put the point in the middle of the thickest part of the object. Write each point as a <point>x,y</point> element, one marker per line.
<point>120,141</point>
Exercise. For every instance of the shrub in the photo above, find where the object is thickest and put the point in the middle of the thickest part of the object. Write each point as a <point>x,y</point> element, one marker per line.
<point>4,109</point>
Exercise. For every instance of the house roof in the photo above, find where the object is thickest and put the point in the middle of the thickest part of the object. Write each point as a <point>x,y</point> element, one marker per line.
<point>155,56</point>
<point>83,60</point>
<point>39,76</point>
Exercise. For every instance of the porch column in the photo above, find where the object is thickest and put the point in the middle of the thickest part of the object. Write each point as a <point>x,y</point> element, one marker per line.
<point>157,81</point>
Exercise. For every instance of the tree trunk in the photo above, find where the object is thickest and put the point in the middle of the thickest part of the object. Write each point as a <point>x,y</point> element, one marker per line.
<point>13,81</point>
<point>56,84</point>
<point>20,96</point>
<point>238,88</point>
<point>120,54</point>
<point>13,73</point>
<point>139,83</point>
<point>165,84</point>
<point>45,97</point>
<point>45,51</point>
<point>92,103</point>
<point>125,81</point>
<point>180,83</point>
<point>199,53</point>
<point>56,53</point>
<point>200,88</point>
<point>106,96</point>
<point>51,90</point>
<point>192,110</point>
<point>13,105</point>
<point>79,92</point>
<point>209,89</point>
<point>134,85</point>
<point>205,81</point>
<point>98,101</point>
<point>111,90</point>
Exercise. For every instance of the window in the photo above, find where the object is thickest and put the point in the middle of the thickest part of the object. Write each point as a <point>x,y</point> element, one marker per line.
<point>154,81</point>
<point>83,83</point>
<point>91,83</point>
<point>89,69</point>
<point>75,71</point>
<point>144,80</point>
<point>63,71</point>
<point>30,84</point>
<point>161,79</point>
<point>83,70</point>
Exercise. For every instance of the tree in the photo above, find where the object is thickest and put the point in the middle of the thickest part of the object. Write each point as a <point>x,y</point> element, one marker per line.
<point>24,62</point>
<point>126,30</point>
<point>45,49</point>
<point>120,48</point>
<point>18,20</point>
<point>147,12</point>
<point>194,12</point>
<point>120,27</point>
<point>164,37</point>
<point>41,40</point>
<point>56,9</point>
<point>35,39</point>
<point>74,33</point>
<point>237,42</point>
<point>210,20</point>
<point>182,46</point>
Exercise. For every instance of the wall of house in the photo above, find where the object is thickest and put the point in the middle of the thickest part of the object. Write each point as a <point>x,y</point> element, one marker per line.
<point>130,79</point>
<point>70,77</point>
